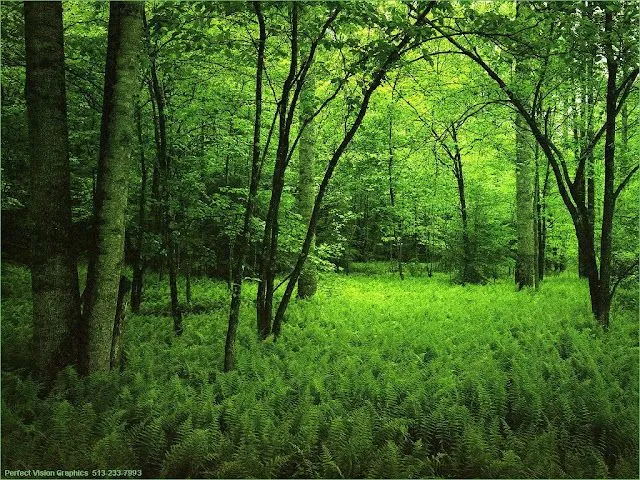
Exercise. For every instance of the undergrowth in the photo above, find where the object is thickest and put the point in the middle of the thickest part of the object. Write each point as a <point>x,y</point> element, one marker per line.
<point>374,377</point>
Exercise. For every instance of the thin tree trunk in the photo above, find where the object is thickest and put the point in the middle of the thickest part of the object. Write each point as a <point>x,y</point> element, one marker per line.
<point>139,262</point>
<point>244,241</point>
<point>54,274</point>
<point>264,299</point>
<point>397,235</point>
<point>467,274</point>
<point>165,177</point>
<point>114,167</point>
<point>188,281</point>
<point>542,224</point>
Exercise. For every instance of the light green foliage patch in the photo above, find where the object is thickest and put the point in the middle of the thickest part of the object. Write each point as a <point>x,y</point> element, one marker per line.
<point>372,377</point>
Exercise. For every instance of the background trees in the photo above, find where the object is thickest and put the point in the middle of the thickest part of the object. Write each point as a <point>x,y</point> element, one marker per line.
<point>419,116</point>
<point>416,162</point>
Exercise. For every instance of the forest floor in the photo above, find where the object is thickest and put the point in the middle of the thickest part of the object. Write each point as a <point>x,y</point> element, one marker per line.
<point>373,377</point>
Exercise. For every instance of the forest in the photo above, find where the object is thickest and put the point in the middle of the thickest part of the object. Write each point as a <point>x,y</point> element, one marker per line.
<point>320,239</point>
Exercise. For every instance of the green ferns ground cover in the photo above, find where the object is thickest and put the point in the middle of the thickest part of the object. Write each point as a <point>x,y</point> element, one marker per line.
<point>372,378</point>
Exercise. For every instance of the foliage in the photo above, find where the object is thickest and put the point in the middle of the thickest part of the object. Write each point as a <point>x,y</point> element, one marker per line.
<point>368,379</point>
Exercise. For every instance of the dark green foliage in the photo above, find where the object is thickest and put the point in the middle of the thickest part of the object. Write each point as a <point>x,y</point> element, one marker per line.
<point>366,380</point>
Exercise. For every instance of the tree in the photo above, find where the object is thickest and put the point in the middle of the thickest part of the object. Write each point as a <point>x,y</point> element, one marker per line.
<point>286,107</point>
<point>617,92</point>
<point>391,56</point>
<point>114,167</point>
<point>245,238</point>
<point>165,211</point>
<point>137,282</point>
<point>526,271</point>
<point>54,275</point>
<point>308,282</point>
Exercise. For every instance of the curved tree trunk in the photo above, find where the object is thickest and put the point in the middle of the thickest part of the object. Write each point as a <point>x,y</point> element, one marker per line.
<point>54,274</point>
<point>114,168</point>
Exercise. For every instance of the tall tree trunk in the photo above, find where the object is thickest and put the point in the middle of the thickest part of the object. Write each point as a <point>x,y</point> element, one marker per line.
<point>542,223</point>
<point>397,230</point>
<point>609,173</point>
<point>139,262</point>
<point>526,269</point>
<point>308,282</point>
<point>244,241</point>
<point>165,179</point>
<point>467,274</point>
<point>54,274</point>
<point>526,272</point>
<point>467,267</point>
<point>585,178</point>
<point>264,298</point>
<point>114,167</point>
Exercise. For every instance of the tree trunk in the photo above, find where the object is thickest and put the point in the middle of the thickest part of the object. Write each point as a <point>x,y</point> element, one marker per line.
<point>467,268</point>
<point>264,299</point>
<point>609,173</point>
<point>397,230</point>
<point>114,168</point>
<point>468,273</point>
<point>542,224</point>
<point>308,282</point>
<point>139,262</point>
<point>244,241</point>
<point>526,268</point>
<point>117,352</point>
<point>54,274</point>
<point>165,176</point>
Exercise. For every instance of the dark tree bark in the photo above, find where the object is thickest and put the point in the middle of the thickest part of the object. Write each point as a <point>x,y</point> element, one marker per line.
<point>244,240</point>
<point>291,90</point>
<point>583,136</point>
<point>264,299</point>
<point>542,223</point>
<point>54,274</point>
<point>114,167</point>
<point>609,174</point>
<point>187,294</point>
<point>468,272</point>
